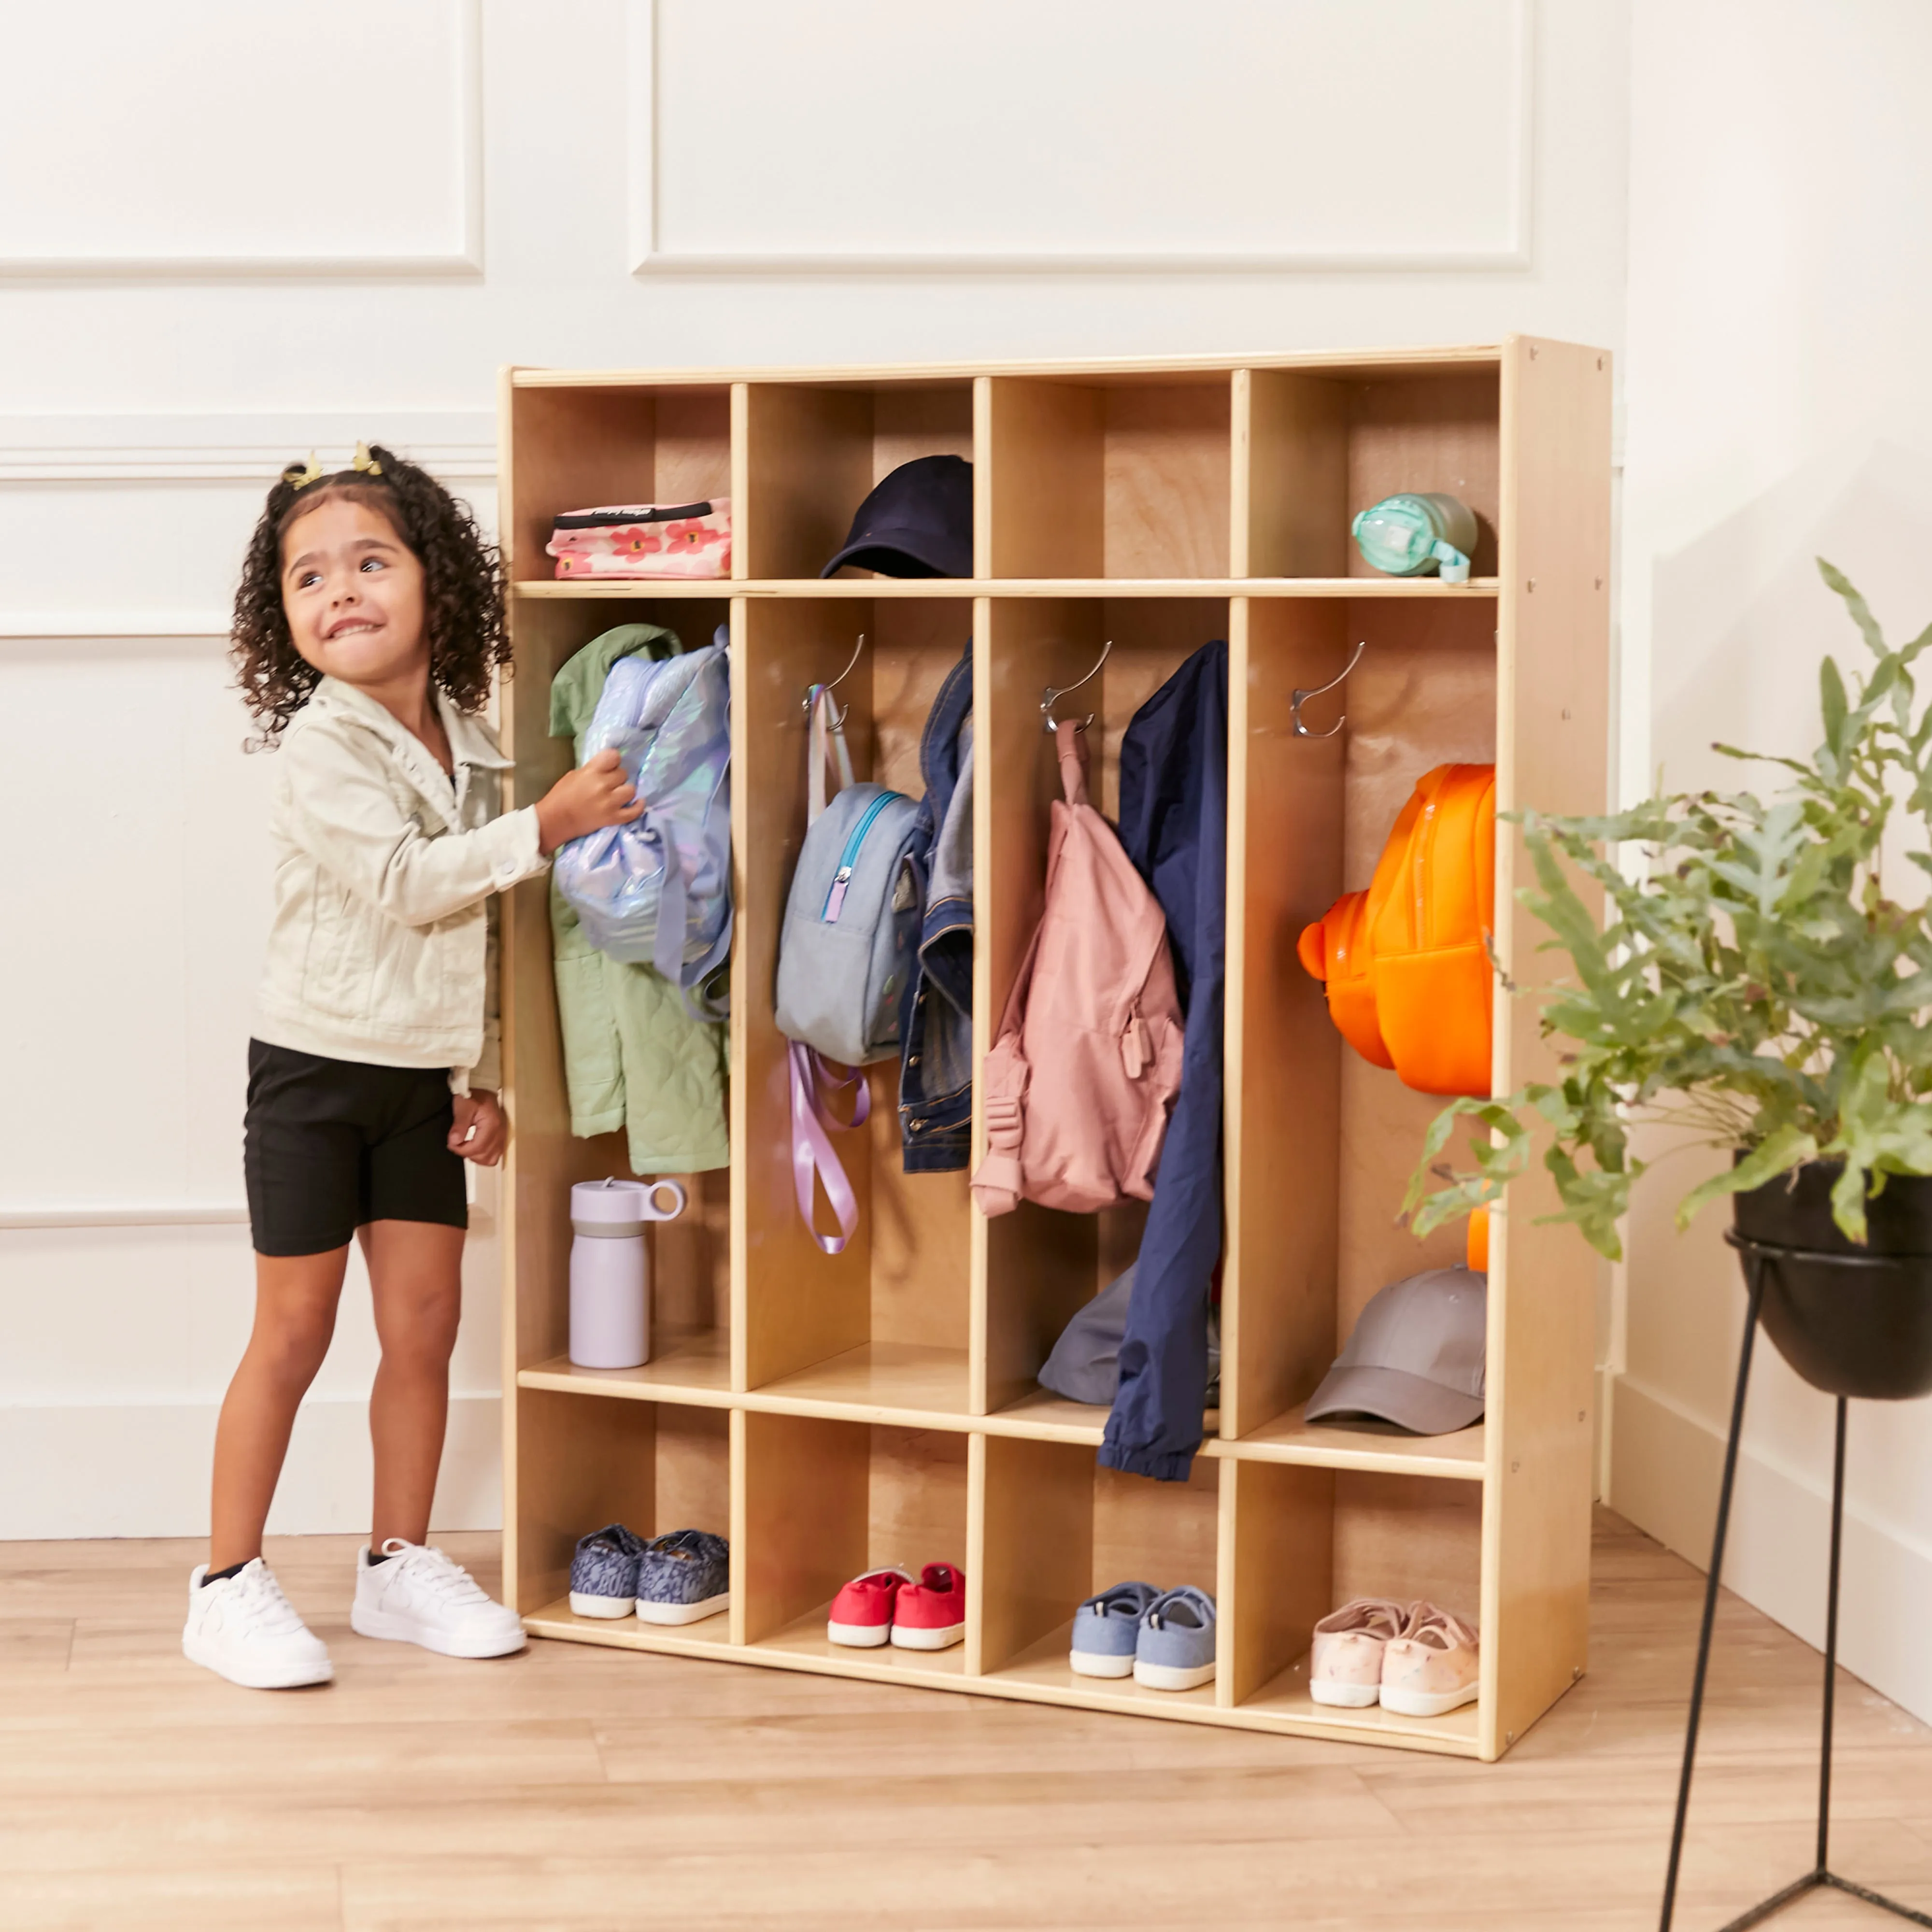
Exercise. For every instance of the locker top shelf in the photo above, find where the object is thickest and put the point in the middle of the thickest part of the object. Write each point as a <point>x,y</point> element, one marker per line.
<point>1366,364</point>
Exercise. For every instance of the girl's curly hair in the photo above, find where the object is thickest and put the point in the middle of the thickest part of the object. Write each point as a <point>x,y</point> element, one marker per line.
<point>463,589</point>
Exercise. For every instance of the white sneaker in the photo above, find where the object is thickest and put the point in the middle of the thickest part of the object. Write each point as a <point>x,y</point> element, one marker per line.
<point>418,1595</point>
<point>243,1628</point>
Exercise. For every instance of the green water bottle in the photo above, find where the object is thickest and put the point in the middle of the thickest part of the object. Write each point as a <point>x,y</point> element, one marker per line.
<point>1417,533</point>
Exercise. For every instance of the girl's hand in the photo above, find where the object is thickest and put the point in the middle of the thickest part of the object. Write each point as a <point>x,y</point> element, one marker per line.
<point>596,795</point>
<point>481,1131</point>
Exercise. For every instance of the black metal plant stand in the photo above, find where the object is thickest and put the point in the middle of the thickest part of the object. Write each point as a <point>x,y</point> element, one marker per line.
<point>1758,1256</point>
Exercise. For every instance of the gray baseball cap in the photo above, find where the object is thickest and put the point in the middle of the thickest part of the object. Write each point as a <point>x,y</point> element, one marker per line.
<point>1415,1358</point>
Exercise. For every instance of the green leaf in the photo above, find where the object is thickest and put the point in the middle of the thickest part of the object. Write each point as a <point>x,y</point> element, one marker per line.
<point>1788,1148</point>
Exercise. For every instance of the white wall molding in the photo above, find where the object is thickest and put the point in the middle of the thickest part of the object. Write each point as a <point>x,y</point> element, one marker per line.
<point>157,1214</point>
<point>1667,1469</point>
<point>238,446</point>
<point>645,57</point>
<point>464,257</point>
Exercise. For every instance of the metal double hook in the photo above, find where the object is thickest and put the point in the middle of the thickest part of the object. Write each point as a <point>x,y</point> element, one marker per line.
<point>1301,730</point>
<point>1048,721</point>
<point>839,717</point>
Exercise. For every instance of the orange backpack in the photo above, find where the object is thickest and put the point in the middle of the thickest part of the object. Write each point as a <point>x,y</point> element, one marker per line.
<point>1406,963</point>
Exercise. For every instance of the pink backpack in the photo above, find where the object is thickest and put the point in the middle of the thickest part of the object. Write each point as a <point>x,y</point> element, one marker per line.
<point>1079,1083</point>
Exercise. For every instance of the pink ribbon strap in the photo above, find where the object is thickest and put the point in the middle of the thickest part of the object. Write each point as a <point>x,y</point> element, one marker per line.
<point>812,1154</point>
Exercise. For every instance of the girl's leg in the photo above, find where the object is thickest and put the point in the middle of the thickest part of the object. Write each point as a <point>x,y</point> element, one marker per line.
<point>295,1297</point>
<point>415,1276</point>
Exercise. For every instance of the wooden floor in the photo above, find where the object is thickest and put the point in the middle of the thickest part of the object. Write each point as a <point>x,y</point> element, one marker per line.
<point>591,1789</point>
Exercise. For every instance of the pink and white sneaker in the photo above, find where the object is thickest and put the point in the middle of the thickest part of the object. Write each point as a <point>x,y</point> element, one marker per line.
<point>861,1613</point>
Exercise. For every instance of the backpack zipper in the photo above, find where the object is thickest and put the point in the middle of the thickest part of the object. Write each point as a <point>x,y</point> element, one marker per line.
<point>835,898</point>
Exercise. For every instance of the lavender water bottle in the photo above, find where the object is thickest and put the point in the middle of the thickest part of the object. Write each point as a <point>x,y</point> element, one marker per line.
<point>610,1269</point>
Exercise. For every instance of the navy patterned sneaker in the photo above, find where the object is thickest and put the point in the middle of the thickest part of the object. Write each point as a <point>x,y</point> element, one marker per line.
<point>683,1576</point>
<point>604,1573</point>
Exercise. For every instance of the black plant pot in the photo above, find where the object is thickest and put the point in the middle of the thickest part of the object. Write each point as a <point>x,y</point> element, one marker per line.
<point>1851,1320</point>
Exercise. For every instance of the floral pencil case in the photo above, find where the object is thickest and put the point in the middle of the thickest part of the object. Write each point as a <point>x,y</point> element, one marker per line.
<point>645,540</point>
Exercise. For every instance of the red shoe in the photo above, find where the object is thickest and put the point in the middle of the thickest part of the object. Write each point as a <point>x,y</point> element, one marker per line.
<point>931,1614</point>
<point>861,1613</point>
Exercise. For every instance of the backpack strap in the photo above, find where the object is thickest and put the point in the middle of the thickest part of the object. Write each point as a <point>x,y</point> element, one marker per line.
<point>828,741</point>
<point>1071,744</point>
<point>812,1153</point>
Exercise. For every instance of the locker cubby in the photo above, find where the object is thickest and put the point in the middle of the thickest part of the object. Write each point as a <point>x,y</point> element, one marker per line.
<point>1325,443</point>
<point>690,1257</point>
<point>824,1500</point>
<point>1314,814</point>
<point>1306,1540</point>
<point>583,1461</point>
<point>1120,474</point>
<point>1042,1264</point>
<point>575,444</point>
<point>885,1323</point>
<point>881,1406</point>
<point>1057,1528</point>
<point>814,451</point>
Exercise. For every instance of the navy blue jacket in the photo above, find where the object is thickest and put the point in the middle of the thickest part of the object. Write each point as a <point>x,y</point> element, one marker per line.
<point>936,1008</point>
<point>1174,824</point>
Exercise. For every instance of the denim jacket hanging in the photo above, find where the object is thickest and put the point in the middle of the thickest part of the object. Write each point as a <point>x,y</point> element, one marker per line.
<point>936,1070</point>
<point>1174,823</point>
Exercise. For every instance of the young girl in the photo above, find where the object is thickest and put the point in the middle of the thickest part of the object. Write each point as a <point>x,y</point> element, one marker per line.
<point>368,625</point>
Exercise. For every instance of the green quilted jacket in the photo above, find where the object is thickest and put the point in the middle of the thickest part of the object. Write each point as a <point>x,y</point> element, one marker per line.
<point>633,1057</point>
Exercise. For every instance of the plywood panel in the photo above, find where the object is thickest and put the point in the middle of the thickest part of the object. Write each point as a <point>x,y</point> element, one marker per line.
<point>1043,453</point>
<point>570,448</point>
<point>1408,1536</point>
<point>1553,755</point>
<point>917,1499</point>
<point>1159,1533</point>
<point>1423,694</point>
<point>808,466</point>
<point>1035,1553</point>
<point>1038,1266</point>
<point>1281,1579</point>
<point>693,446</point>
<point>801,1305</point>
<point>1296,461</point>
<point>1283,1056</point>
<point>909,421</point>
<point>803,1530</point>
<point>1165,480</point>
<point>581,1462</point>
<point>693,1478</point>
<point>1428,433</point>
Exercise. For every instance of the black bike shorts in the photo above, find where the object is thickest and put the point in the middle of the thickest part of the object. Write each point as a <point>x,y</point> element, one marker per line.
<point>329,1144</point>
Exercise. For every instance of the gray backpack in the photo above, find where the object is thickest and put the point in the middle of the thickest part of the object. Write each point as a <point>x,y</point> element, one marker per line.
<point>851,937</point>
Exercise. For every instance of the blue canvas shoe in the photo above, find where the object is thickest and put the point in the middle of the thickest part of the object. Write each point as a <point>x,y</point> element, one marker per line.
<point>1175,1648</point>
<point>683,1576</point>
<point>604,1573</point>
<point>1105,1629</point>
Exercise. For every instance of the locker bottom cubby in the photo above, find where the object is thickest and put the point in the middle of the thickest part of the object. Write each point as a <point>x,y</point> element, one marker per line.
<point>583,1461</point>
<point>1058,1528</point>
<point>823,1501</point>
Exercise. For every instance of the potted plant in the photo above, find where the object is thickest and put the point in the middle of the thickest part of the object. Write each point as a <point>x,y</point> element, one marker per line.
<point>1758,986</point>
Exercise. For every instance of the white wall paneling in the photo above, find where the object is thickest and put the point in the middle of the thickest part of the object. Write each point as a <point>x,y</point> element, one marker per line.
<point>1779,407</point>
<point>182,345</point>
<point>1315,136</point>
<point>221,137</point>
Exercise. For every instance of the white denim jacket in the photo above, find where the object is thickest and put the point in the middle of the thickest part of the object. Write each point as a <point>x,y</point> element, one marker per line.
<point>384,945</point>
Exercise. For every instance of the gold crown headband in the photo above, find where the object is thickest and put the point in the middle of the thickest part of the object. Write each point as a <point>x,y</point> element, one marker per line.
<point>301,478</point>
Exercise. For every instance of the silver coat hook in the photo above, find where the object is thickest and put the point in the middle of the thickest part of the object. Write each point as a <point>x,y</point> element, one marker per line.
<point>839,717</point>
<point>1051,723</point>
<point>1301,730</point>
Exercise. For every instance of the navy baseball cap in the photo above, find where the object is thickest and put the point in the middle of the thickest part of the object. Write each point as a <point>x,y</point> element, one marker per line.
<point>917,523</point>
<point>1416,1358</point>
